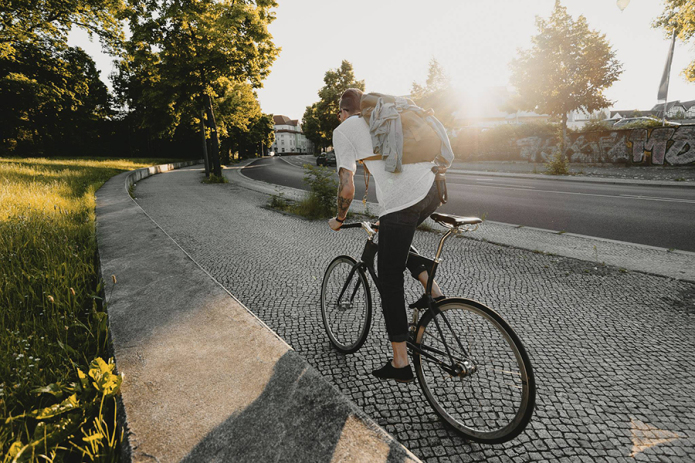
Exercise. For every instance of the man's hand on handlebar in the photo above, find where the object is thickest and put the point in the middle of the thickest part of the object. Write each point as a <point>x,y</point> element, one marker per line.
<point>334,224</point>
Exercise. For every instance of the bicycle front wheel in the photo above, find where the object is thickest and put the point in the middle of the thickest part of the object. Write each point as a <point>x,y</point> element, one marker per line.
<point>474,371</point>
<point>346,304</point>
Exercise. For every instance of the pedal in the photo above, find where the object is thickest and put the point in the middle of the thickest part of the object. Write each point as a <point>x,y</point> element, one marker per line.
<point>420,303</point>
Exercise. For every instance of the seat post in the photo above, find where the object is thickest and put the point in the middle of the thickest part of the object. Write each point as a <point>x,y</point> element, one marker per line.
<point>441,244</point>
<point>435,264</point>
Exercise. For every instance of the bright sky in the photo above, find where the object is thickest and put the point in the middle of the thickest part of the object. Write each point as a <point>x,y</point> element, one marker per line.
<point>390,44</point>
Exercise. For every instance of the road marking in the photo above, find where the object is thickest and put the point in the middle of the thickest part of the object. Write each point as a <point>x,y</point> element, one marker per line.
<point>653,198</point>
<point>617,196</point>
<point>507,185</point>
<point>645,436</point>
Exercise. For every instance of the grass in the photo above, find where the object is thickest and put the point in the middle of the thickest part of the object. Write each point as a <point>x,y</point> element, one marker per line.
<point>56,393</point>
<point>215,179</point>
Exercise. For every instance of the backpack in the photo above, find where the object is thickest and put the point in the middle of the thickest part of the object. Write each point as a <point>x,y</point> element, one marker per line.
<point>421,143</point>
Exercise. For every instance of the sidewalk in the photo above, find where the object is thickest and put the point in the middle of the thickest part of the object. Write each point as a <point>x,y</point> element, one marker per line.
<point>629,256</point>
<point>205,379</point>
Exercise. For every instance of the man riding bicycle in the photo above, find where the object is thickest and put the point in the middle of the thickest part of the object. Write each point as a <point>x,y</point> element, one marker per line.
<point>406,199</point>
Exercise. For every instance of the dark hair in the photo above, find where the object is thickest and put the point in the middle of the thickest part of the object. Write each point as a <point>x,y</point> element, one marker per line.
<point>350,100</point>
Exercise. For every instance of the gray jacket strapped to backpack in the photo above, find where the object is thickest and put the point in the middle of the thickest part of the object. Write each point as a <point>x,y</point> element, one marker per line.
<point>387,133</point>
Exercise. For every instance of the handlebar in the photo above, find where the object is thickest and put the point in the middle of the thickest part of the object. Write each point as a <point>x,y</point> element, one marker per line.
<point>359,225</point>
<point>370,228</point>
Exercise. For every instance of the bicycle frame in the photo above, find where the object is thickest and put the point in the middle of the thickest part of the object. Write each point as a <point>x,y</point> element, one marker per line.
<point>367,261</point>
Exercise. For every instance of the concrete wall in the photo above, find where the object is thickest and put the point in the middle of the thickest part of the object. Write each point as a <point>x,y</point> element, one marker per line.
<point>657,146</point>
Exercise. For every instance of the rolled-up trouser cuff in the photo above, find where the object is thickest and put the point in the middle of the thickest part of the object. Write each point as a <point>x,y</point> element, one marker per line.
<point>399,338</point>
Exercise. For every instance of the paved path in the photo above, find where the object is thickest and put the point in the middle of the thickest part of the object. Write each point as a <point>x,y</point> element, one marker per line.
<point>612,349</point>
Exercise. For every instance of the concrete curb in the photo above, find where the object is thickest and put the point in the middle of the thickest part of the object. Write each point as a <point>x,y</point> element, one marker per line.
<point>205,379</point>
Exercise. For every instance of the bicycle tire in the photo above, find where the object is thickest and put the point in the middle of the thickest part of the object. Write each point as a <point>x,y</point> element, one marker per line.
<point>495,402</point>
<point>347,325</point>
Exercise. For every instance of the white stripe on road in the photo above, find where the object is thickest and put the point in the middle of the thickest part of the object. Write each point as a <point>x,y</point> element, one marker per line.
<point>652,198</point>
<point>507,185</point>
<point>621,196</point>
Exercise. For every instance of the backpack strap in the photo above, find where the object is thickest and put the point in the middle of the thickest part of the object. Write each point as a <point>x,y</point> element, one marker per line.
<point>366,175</point>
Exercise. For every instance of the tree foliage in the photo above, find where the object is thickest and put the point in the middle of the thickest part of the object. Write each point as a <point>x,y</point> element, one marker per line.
<point>568,67</point>
<point>52,97</point>
<point>679,17</point>
<point>437,94</point>
<point>321,118</point>
<point>180,58</point>
<point>185,56</point>
<point>256,136</point>
<point>35,21</point>
<point>53,100</point>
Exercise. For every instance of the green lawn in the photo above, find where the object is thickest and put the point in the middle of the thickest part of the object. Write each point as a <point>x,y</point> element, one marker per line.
<point>56,394</point>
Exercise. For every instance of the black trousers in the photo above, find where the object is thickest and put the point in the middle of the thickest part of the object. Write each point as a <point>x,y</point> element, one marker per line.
<point>396,232</point>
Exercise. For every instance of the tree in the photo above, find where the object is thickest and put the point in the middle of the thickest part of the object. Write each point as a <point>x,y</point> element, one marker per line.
<point>53,101</point>
<point>311,129</point>
<point>436,94</point>
<point>679,17</point>
<point>182,56</point>
<point>30,21</point>
<point>567,68</point>
<point>321,118</point>
<point>257,136</point>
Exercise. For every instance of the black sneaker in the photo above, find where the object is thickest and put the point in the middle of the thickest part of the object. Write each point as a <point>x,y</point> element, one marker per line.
<point>422,302</point>
<point>388,371</point>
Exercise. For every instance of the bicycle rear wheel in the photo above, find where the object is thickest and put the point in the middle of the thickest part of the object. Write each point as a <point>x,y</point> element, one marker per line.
<point>488,392</point>
<point>346,304</point>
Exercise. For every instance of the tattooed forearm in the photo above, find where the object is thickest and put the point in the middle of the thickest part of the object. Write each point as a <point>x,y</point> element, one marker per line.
<point>346,191</point>
<point>343,206</point>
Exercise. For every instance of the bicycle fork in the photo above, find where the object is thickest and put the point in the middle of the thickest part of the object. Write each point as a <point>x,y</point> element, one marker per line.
<point>345,305</point>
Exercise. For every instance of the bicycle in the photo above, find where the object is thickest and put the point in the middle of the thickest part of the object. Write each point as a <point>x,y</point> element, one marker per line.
<point>470,364</point>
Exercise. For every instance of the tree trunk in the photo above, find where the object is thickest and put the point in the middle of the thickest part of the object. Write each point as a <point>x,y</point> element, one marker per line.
<point>215,142</point>
<point>205,144</point>
<point>564,134</point>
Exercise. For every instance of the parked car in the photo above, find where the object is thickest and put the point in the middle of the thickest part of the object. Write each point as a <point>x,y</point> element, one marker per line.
<point>326,159</point>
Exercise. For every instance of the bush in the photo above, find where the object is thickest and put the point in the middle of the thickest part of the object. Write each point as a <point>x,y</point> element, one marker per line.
<point>594,126</point>
<point>558,164</point>
<point>322,198</point>
<point>499,142</point>
<point>320,203</point>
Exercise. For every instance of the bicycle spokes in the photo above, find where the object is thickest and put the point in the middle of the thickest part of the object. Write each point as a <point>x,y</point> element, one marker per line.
<point>473,371</point>
<point>345,304</point>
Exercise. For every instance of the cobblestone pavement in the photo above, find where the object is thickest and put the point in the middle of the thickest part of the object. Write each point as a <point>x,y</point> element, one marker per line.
<point>612,350</point>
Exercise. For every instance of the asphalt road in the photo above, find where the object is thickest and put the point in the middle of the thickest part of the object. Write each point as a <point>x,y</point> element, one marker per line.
<point>650,215</point>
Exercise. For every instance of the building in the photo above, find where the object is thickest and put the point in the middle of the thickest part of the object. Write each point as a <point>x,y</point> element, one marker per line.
<point>289,138</point>
<point>675,110</point>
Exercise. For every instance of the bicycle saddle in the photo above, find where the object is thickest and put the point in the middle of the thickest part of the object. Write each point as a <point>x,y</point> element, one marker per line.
<point>454,220</point>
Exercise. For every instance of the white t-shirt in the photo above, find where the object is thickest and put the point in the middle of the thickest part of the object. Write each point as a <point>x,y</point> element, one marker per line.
<point>394,191</point>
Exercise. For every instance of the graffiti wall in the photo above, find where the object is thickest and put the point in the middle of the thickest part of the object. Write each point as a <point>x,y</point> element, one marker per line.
<point>656,146</point>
